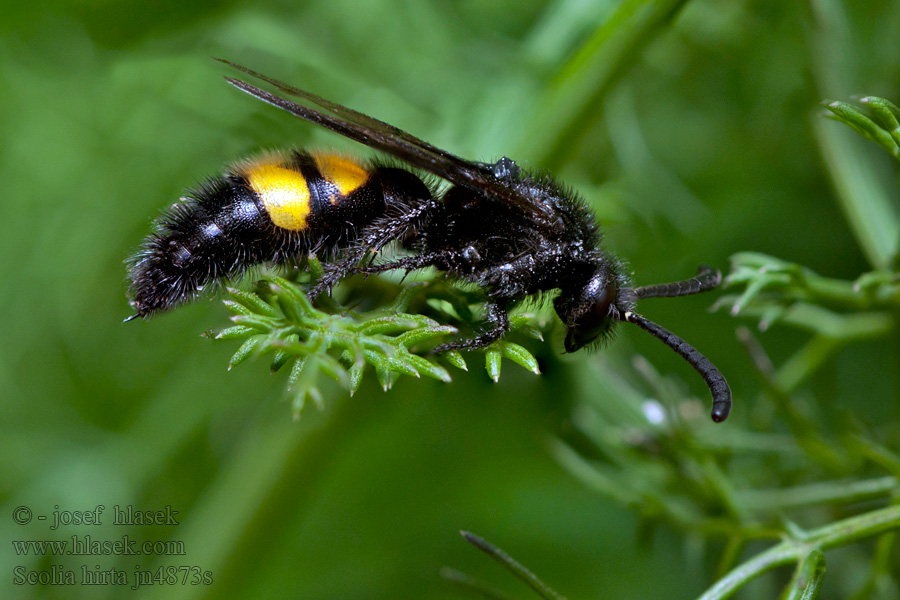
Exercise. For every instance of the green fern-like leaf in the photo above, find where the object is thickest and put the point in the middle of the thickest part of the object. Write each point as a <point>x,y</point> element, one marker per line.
<point>882,127</point>
<point>776,290</point>
<point>278,319</point>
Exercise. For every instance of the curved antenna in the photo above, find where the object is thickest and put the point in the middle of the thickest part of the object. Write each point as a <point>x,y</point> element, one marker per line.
<point>721,393</point>
<point>705,280</point>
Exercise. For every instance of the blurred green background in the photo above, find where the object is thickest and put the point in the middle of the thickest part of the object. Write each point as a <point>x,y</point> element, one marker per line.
<point>705,147</point>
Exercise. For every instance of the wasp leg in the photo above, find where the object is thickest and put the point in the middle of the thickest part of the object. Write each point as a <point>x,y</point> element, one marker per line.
<point>408,263</point>
<point>497,316</point>
<point>413,217</point>
<point>335,273</point>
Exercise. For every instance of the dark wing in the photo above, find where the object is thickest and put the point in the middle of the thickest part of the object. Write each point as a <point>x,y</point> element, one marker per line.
<point>391,140</point>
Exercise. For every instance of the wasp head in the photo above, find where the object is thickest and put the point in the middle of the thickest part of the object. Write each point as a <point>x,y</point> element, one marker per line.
<point>591,309</point>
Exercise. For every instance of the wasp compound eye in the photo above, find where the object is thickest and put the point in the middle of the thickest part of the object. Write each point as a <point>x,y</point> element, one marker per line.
<point>587,315</point>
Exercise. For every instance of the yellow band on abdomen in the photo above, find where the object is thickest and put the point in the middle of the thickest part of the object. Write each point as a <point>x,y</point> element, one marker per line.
<point>284,194</point>
<point>345,173</point>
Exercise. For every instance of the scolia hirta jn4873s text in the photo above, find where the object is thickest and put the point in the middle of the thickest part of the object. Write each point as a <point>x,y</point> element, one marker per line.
<point>512,233</point>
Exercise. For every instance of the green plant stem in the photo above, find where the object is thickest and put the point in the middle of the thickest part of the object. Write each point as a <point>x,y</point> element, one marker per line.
<point>716,479</point>
<point>781,385</point>
<point>571,102</point>
<point>805,361</point>
<point>878,454</point>
<point>516,568</point>
<point>842,327</point>
<point>730,555</point>
<point>833,331</point>
<point>825,493</point>
<point>807,580</point>
<point>794,550</point>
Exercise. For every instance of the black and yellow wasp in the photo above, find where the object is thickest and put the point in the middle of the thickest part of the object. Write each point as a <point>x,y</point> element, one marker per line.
<point>513,233</point>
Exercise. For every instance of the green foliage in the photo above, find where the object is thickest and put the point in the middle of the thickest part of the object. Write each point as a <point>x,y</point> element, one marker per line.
<point>337,342</point>
<point>885,132</point>
<point>673,469</point>
<point>871,206</point>
<point>836,312</point>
